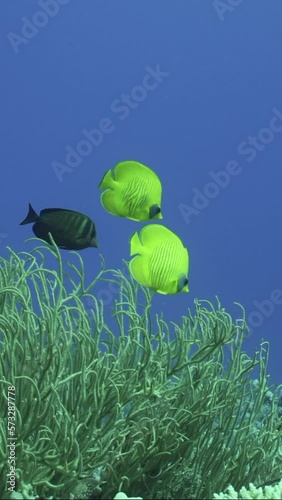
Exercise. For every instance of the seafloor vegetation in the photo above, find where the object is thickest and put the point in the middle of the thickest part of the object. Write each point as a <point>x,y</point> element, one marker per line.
<point>127,402</point>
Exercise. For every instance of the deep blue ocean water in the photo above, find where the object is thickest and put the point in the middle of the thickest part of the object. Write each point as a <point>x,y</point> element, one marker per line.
<point>190,88</point>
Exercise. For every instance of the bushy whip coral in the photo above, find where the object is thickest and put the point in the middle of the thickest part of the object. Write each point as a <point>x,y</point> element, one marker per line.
<point>131,403</point>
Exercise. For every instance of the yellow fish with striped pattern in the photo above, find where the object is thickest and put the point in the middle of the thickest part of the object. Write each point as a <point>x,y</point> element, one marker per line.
<point>162,261</point>
<point>133,191</point>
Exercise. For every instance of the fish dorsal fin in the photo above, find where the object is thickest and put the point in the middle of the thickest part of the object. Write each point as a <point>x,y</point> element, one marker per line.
<point>52,210</point>
<point>153,234</point>
<point>126,170</point>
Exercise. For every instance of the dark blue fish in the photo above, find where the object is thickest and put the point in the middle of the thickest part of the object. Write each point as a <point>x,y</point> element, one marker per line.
<point>70,230</point>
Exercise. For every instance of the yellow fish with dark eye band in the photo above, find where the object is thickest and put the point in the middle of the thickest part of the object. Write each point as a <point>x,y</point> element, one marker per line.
<point>162,262</point>
<point>133,191</point>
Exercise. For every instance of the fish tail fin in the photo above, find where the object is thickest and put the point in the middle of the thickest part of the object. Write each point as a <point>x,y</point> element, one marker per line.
<point>32,216</point>
<point>108,181</point>
<point>138,272</point>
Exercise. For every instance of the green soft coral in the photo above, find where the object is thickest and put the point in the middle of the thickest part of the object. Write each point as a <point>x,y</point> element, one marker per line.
<point>126,402</point>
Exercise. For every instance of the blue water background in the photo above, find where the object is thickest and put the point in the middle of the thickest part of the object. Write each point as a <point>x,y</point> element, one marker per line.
<point>218,85</point>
